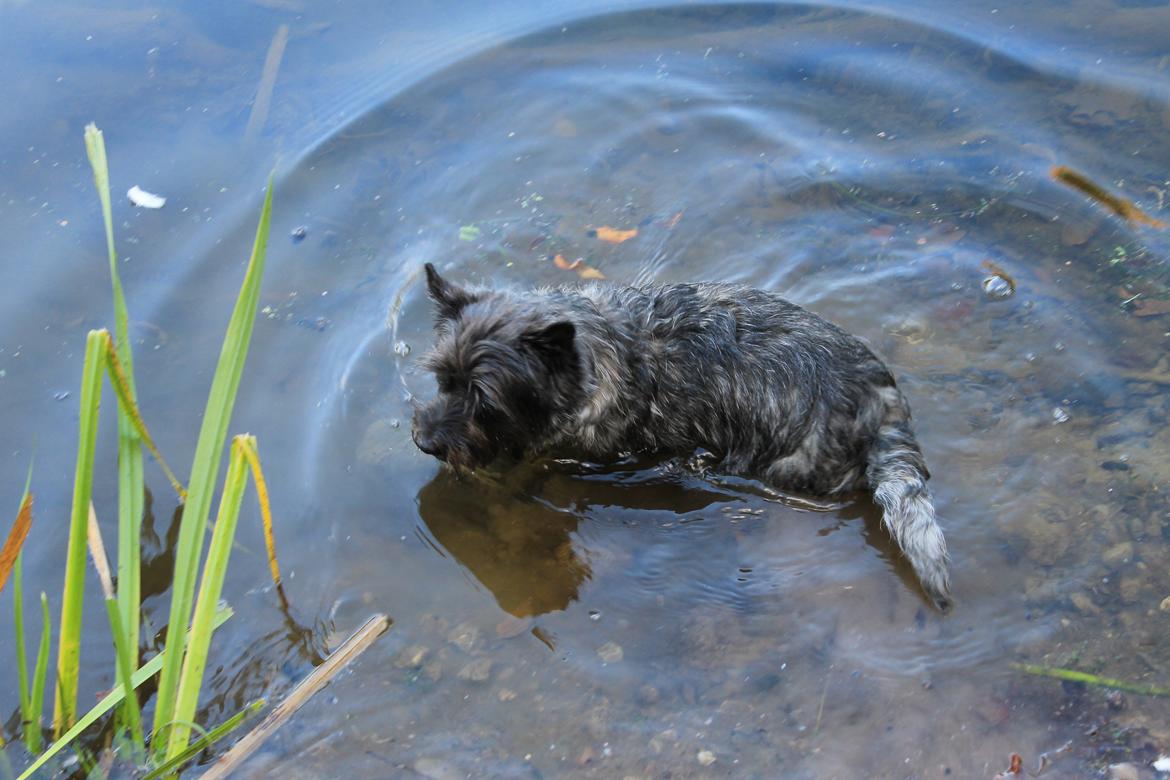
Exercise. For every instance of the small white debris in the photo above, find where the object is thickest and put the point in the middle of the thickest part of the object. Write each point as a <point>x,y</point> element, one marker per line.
<point>1162,764</point>
<point>706,757</point>
<point>1060,415</point>
<point>144,199</point>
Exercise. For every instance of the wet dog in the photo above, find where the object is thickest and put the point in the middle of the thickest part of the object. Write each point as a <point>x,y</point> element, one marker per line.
<point>773,390</point>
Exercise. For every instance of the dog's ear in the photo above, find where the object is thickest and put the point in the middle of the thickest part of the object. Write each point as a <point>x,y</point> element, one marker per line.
<point>554,344</point>
<point>449,299</point>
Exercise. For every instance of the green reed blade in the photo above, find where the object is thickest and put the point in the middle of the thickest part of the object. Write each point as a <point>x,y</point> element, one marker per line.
<point>18,603</point>
<point>129,407</point>
<point>130,716</point>
<point>73,593</point>
<point>18,633</point>
<point>111,700</point>
<point>32,729</point>
<point>131,483</point>
<point>205,466</point>
<point>210,588</point>
<point>207,740</point>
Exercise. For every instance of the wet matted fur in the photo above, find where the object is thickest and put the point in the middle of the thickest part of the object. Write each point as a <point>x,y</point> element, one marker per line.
<point>773,390</point>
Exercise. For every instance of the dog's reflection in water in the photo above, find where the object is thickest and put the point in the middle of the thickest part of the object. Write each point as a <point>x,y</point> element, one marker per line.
<point>515,529</point>
<point>519,548</point>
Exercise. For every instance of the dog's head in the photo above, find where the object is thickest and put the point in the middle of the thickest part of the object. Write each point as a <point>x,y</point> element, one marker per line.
<point>506,366</point>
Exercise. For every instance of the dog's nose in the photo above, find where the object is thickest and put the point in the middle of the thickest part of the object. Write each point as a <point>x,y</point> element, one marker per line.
<point>431,445</point>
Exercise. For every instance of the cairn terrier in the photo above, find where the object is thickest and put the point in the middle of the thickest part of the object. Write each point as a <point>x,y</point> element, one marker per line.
<point>773,390</point>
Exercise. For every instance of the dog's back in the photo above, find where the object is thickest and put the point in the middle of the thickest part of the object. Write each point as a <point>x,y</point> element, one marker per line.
<point>774,389</point>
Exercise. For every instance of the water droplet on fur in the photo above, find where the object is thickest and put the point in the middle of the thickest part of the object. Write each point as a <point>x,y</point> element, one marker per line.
<point>401,348</point>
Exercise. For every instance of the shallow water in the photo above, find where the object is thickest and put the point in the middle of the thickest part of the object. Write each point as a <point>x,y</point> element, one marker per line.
<point>875,164</point>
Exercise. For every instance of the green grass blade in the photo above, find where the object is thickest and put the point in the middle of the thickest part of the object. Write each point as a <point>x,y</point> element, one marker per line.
<point>131,486</point>
<point>18,610</point>
<point>206,741</point>
<point>205,467</point>
<point>69,641</point>
<point>209,592</point>
<point>131,718</point>
<point>18,633</point>
<point>111,700</point>
<point>131,715</point>
<point>32,729</point>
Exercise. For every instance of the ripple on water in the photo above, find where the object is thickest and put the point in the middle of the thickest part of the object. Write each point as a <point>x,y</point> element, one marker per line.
<point>869,168</point>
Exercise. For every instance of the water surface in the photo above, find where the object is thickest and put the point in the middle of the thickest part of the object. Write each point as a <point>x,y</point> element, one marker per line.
<point>638,618</point>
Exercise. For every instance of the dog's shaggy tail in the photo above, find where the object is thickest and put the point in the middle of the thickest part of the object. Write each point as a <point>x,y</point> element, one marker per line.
<point>897,475</point>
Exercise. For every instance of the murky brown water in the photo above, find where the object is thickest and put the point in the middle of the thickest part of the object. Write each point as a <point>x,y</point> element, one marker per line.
<point>648,618</point>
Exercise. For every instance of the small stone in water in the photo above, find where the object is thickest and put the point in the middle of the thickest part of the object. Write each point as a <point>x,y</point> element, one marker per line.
<point>1060,415</point>
<point>594,614</point>
<point>401,348</point>
<point>298,234</point>
<point>477,671</point>
<point>706,757</point>
<point>394,423</point>
<point>610,652</point>
<point>995,286</point>
<point>1165,605</point>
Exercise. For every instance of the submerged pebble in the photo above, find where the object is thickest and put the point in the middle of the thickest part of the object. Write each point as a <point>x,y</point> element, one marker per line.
<point>298,234</point>
<point>610,652</point>
<point>477,671</point>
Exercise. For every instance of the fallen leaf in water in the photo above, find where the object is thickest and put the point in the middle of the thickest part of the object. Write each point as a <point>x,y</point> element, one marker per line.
<point>1118,205</point>
<point>1150,307</point>
<point>144,199</point>
<point>578,265</point>
<point>613,235</point>
<point>16,539</point>
<point>1015,767</point>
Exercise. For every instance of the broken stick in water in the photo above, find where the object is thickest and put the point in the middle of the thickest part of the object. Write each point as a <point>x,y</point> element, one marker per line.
<point>259,114</point>
<point>357,644</point>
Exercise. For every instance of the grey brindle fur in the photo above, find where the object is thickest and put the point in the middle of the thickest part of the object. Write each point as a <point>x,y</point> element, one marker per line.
<point>772,389</point>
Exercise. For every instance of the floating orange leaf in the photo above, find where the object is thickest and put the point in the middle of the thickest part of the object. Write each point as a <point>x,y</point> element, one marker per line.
<point>1118,205</point>
<point>613,235</point>
<point>578,265</point>
<point>16,539</point>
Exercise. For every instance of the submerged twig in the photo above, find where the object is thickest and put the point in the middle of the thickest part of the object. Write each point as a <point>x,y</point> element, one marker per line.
<point>1123,208</point>
<point>357,644</point>
<point>1072,675</point>
<point>263,100</point>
